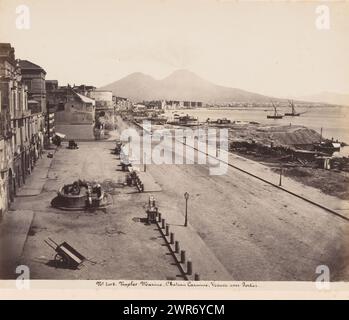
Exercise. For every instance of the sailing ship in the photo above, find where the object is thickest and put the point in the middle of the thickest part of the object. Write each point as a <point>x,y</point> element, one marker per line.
<point>276,115</point>
<point>293,113</point>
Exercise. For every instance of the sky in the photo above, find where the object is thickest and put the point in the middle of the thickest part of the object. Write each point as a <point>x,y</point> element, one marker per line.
<point>268,47</point>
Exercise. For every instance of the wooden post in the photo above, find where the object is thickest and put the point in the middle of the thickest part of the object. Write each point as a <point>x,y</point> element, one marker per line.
<point>182,256</point>
<point>167,230</point>
<point>280,181</point>
<point>176,246</point>
<point>189,268</point>
<point>186,196</point>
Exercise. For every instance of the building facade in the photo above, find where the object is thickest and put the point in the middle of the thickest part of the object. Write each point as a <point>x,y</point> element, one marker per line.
<point>70,107</point>
<point>5,155</point>
<point>20,131</point>
<point>122,104</point>
<point>33,76</point>
<point>103,98</point>
<point>51,86</point>
<point>74,113</point>
<point>83,89</point>
<point>105,108</point>
<point>176,104</point>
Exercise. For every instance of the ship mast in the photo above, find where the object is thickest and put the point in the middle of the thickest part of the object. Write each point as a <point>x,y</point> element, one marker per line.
<point>293,110</point>
<point>291,103</point>
<point>275,111</point>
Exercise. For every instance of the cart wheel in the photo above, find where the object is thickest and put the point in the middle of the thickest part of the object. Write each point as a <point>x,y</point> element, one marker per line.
<point>58,260</point>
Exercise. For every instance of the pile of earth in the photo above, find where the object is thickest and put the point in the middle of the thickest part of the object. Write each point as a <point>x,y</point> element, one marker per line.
<point>279,135</point>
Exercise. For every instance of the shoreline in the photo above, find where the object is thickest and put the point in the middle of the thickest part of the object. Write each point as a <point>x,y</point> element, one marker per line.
<point>293,202</point>
<point>332,121</point>
<point>330,182</point>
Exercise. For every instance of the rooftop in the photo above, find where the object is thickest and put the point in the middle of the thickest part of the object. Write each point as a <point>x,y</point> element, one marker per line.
<point>28,65</point>
<point>85,99</point>
<point>7,52</point>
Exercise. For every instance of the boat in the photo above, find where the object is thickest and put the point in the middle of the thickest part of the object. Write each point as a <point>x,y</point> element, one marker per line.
<point>183,120</point>
<point>328,147</point>
<point>223,121</point>
<point>218,121</point>
<point>276,115</point>
<point>293,113</point>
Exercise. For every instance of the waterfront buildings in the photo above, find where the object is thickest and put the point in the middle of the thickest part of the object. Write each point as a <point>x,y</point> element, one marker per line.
<point>74,113</point>
<point>176,104</point>
<point>122,104</point>
<point>21,129</point>
<point>105,108</point>
<point>69,106</point>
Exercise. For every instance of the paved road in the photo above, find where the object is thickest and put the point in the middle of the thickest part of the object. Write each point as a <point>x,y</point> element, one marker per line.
<point>116,242</point>
<point>257,231</point>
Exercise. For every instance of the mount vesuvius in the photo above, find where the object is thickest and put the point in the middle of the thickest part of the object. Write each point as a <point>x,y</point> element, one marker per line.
<point>180,85</point>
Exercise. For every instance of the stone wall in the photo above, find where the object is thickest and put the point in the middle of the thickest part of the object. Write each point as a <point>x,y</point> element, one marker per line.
<point>75,112</point>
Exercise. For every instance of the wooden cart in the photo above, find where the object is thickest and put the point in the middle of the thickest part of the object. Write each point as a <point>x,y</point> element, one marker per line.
<point>65,254</point>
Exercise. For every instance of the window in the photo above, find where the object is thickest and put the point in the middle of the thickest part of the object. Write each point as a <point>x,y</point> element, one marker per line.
<point>28,83</point>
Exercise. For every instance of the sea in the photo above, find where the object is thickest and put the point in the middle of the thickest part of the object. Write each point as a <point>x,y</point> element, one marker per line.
<point>332,120</point>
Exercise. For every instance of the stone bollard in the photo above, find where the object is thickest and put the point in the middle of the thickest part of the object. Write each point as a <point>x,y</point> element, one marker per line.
<point>151,201</point>
<point>196,277</point>
<point>177,247</point>
<point>167,230</point>
<point>171,238</point>
<point>163,223</point>
<point>189,268</point>
<point>182,256</point>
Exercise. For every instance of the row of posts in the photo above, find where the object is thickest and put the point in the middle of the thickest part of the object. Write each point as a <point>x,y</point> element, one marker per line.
<point>135,181</point>
<point>177,250</point>
<point>138,183</point>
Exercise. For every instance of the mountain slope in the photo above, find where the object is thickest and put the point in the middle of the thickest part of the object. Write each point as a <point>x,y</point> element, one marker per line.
<point>329,97</point>
<point>180,85</point>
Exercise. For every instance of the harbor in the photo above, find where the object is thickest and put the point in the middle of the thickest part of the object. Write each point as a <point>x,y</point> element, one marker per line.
<point>298,150</point>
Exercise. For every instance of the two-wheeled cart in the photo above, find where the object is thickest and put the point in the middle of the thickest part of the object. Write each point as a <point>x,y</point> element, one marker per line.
<point>65,254</point>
